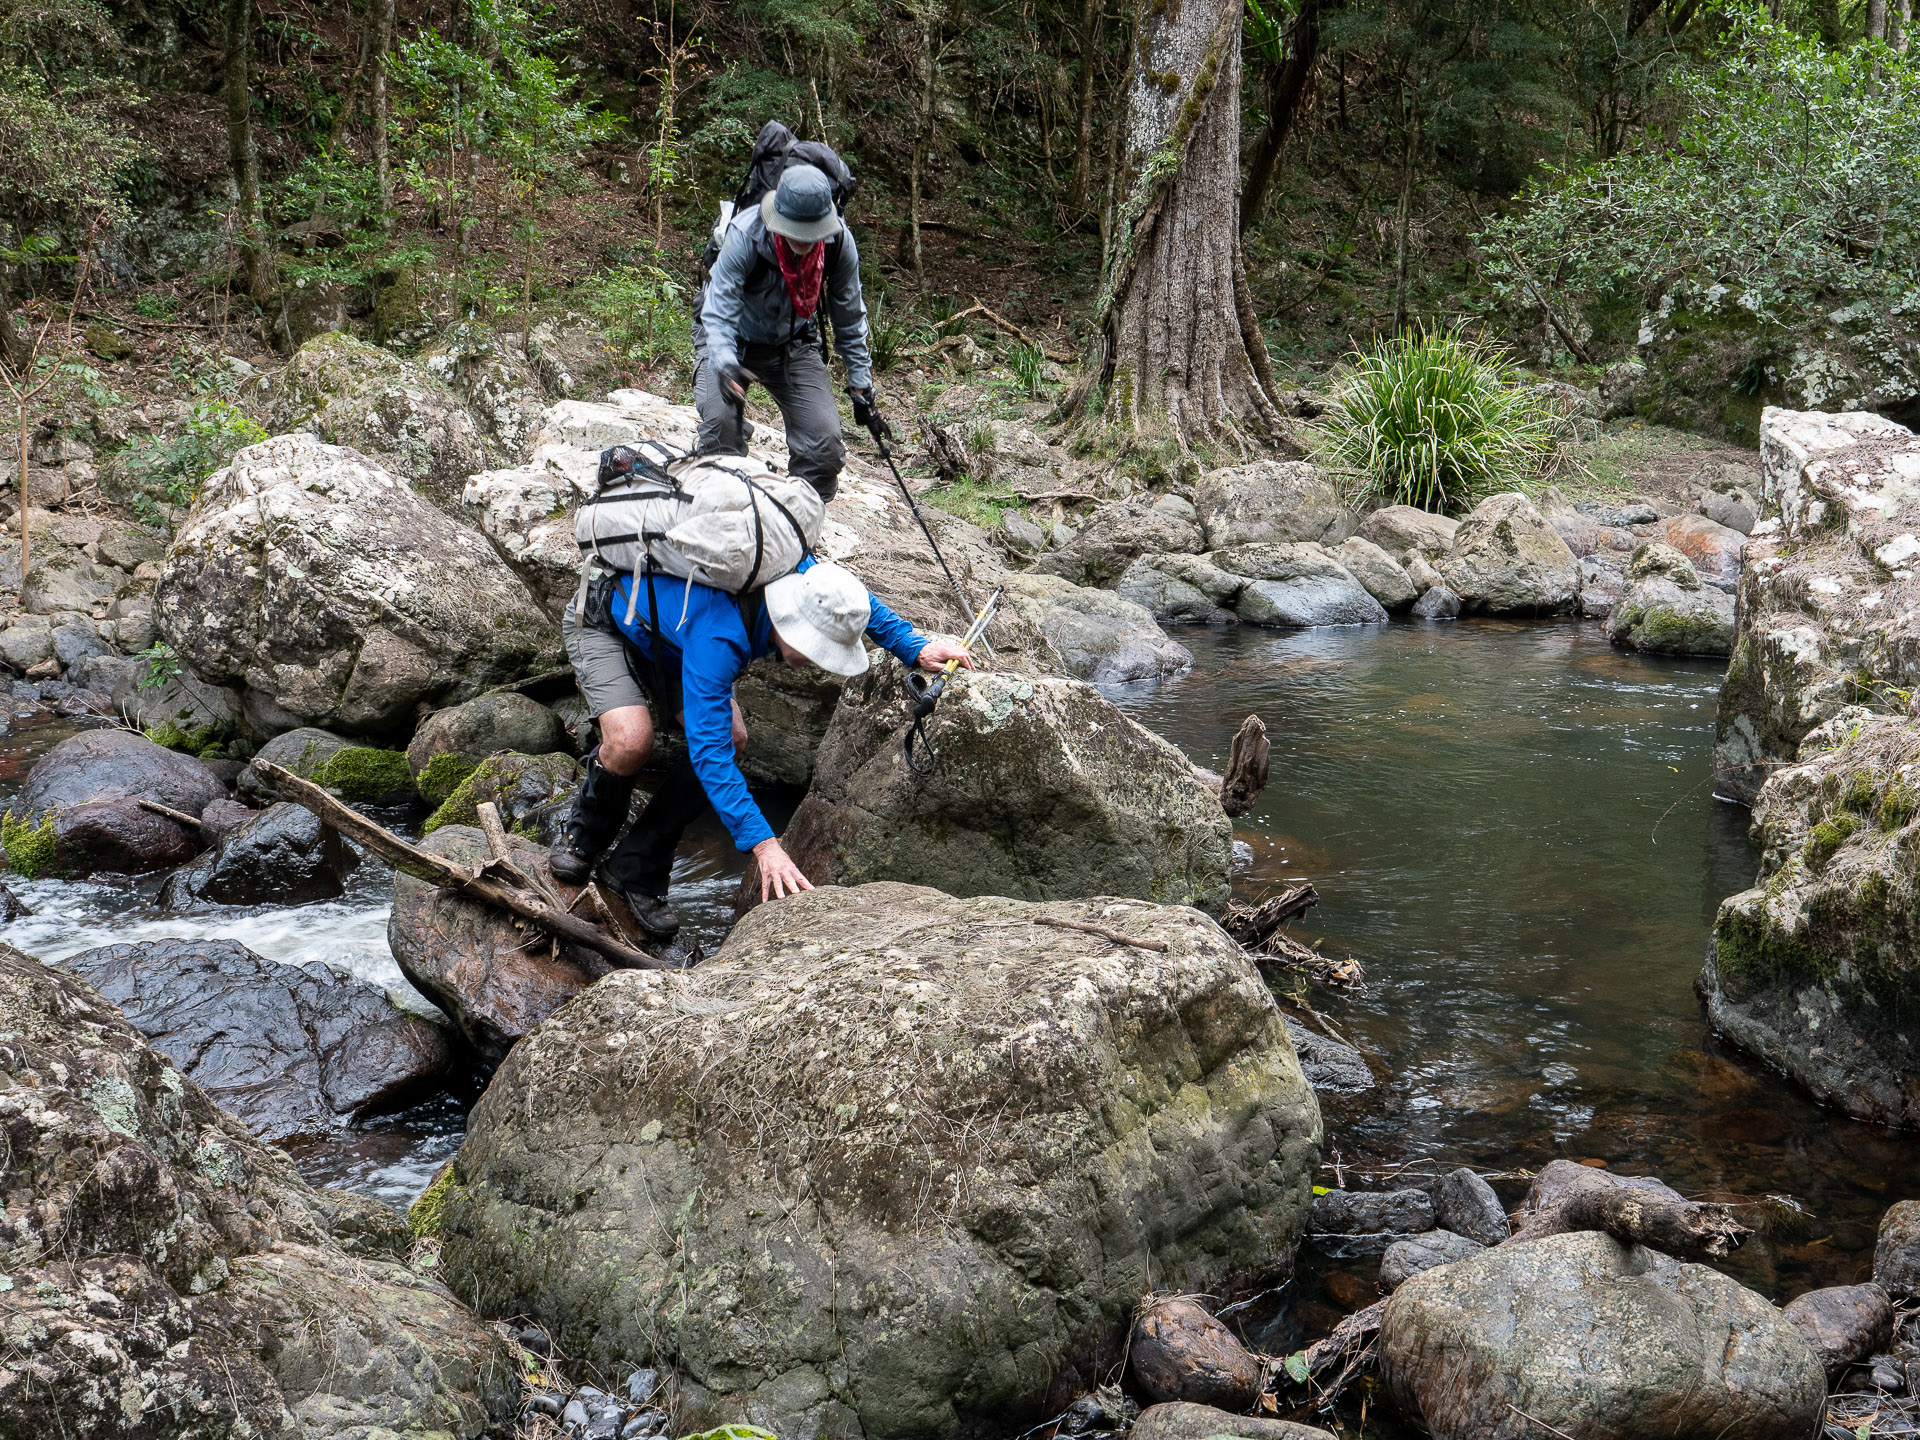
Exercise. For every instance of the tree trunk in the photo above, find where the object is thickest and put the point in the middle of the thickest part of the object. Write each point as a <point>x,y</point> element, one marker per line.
<point>1876,19</point>
<point>1902,22</point>
<point>242,157</point>
<point>343,117</point>
<point>1286,94</point>
<point>924,71</point>
<point>14,350</point>
<point>382,45</point>
<point>1403,213</point>
<point>1083,132</point>
<point>1175,351</point>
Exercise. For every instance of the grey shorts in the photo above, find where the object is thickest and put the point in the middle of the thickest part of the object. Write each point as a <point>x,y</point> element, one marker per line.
<point>611,673</point>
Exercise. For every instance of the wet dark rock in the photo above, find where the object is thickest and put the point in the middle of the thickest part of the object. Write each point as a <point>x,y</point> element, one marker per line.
<point>1419,1253</point>
<point>1557,1182</point>
<point>641,1385</point>
<point>10,907</point>
<point>1361,1212</point>
<point>1843,1323</point>
<point>1179,1352</point>
<point>1330,1067</point>
<point>221,818</point>
<point>484,726</point>
<point>548,1404</point>
<point>1888,1374</point>
<point>1896,1254</point>
<point>84,704</point>
<point>471,960</point>
<point>227,771</point>
<point>1466,1204</point>
<point>92,783</point>
<point>161,1251</point>
<point>290,1049</point>
<point>1584,1335</point>
<point>1436,603</point>
<point>279,856</point>
<point>1180,1421</point>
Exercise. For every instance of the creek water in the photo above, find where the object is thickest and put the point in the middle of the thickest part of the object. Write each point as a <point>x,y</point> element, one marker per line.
<point>1512,828</point>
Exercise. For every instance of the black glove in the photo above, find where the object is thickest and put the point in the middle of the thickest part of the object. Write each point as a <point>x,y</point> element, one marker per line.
<point>866,412</point>
<point>734,380</point>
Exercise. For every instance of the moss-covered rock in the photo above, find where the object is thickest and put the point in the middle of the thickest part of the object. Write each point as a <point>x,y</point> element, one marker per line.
<point>440,777</point>
<point>530,791</point>
<point>1663,609</point>
<point>32,849</point>
<point>359,772</point>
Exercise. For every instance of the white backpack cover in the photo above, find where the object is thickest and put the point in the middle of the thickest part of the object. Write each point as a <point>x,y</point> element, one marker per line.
<point>728,521</point>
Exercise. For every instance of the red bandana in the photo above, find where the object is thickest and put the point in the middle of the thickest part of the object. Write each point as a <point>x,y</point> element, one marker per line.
<point>803,275</point>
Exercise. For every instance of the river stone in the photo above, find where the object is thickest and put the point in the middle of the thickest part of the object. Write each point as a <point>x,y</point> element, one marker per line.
<point>1591,1337</point>
<point>313,579</point>
<point>61,580</point>
<point>1383,576</point>
<point>281,856</point>
<point>162,1257</point>
<point>1843,1323</point>
<point>533,793</point>
<point>1101,637</point>
<point>343,391</point>
<point>1181,1421</point>
<point>1404,530</point>
<point>1116,535</point>
<point>222,817</point>
<point>1419,1253</point>
<point>1043,790</point>
<point>1177,1351</point>
<point>202,714</point>
<point>484,726</point>
<point>1361,1212</point>
<point>76,642</point>
<point>1297,586</point>
<point>92,783</point>
<point>923,1087</point>
<point>1600,587</point>
<point>1182,589</point>
<point>305,752</point>
<point>1437,603</point>
<point>1663,609</point>
<point>1896,1254</point>
<point>1330,1067</point>
<point>290,1049</point>
<point>1506,560</point>
<point>26,642</point>
<point>1715,550</point>
<point>1465,1203</point>
<point>1559,1180</point>
<point>471,960</point>
<point>1270,502</point>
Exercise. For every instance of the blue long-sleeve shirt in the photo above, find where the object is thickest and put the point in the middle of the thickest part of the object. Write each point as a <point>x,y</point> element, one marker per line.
<point>707,642</point>
<point>746,301</point>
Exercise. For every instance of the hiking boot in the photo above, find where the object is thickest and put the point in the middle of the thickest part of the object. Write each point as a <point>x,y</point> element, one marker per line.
<point>570,865</point>
<point>650,912</point>
<point>599,810</point>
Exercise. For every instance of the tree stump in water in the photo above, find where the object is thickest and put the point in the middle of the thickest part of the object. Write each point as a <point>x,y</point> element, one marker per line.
<point>1246,767</point>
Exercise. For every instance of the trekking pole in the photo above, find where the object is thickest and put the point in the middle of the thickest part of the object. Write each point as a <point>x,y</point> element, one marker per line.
<point>874,424</point>
<point>926,693</point>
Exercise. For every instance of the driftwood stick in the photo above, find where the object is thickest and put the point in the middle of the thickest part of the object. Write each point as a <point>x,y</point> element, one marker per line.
<point>179,817</point>
<point>1116,936</point>
<point>486,886</point>
<point>1246,767</point>
<point>1686,1228</point>
<point>496,832</point>
<point>1259,925</point>
<point>1346,1350</point>
<point>1001,322</point>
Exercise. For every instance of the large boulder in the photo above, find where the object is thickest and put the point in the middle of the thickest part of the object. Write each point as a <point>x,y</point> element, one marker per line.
<point>62,580</point>
<point>1100,636</point>
<point>920,1091</point>
<point>1663,609</point>
<point>1180,1352</point>
<point>346,392</point>
<point>1827,590</point>
<point>283,855</point>
<point>86,791</point>
<point>1404,530</point>
<point>1581,1335</point>
<point>1385,578</point>
<point>787,713</point>
<point>1896,1250</point>
<point>290,1049</point>
<point>1507,560</point>
<point>1714,549</point>
<point>1182,589</point>
<point>1271,502</point>
<point>1183,1420</point>
<point>320,583</point>
<point>488,371</point>
<point>1116,535</point>
<point>170,1275</point>
<point>1042,789</point>
<point>484,726</point>
<point>472,960</point>
<point>1815,968</point>
<point>1297,586</point>
<point>306,752</point>
<point>531,792</point>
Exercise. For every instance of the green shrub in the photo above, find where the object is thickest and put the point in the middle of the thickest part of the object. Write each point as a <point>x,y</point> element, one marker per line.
<point>644,309</point>
<point>29,847</point>
<point>360,772</point>
<point>441,777</point>
<point>1026,361</point>
<point>1436,420</point>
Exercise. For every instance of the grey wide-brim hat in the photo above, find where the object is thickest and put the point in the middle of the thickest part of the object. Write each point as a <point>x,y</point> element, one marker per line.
<point>802,207</point>
<point>823,613</point>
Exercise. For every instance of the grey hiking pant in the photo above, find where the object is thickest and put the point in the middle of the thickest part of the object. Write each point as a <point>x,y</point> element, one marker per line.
<point>796,377</point>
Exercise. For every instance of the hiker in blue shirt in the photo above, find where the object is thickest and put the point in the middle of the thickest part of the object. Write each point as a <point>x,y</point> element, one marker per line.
<point>637,678</point>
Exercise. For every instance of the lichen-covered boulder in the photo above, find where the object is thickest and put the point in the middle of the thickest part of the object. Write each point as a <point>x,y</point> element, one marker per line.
<point>290,1049</point>
<point>532,792</point>
<point>1404,530</point>
<point>1296,586</point>
<point>306,752</point>
<point>891,1163</point>
<point>313,578</point>
<point>1270,502</point>
<point>170,1275</point>
<point>1581,1335</point>
<point>1117,534</point>
<point>1816,968</point>
<point>1182,589</point>
<point>1100,636</point>
<point>489,373</point>
<point>1714,549</point>
<point>82,798</point>
<point>346,392</point>
<point>1663,609</point>
<point>1507,560</point>
<point>484,726</point>
<point>1042,790</point>
<point>1385,578</point>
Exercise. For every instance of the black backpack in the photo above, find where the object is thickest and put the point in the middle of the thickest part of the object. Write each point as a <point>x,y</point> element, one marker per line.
<point>775,151</point>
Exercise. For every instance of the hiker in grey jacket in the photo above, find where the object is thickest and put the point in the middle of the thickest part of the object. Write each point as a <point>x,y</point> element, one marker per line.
<point>759,321</point>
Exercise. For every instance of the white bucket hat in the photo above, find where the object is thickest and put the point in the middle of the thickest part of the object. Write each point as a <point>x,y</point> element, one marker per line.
<point>822,612</point>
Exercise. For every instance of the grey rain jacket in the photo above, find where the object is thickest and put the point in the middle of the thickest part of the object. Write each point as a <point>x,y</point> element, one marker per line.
<point>734,312</point>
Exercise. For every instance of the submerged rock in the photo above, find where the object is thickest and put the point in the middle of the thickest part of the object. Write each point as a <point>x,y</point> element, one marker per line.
<point>937,1076</point>
<point>85,792</point>
<point>1042,790</point>
<point>1417,1254</point>
<point>291,1049</point>
<point>336,597</point>
<point>1101,637</point>
<point>1360,1212</point>
<point>281,856</point>
<point>1177,1351</point>
<point>163,1257</point>
<point>1591,1337</point>
<point>1663,609</point>
<point>1507,560</point>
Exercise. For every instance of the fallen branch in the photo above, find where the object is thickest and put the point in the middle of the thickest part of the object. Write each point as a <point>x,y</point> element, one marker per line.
<point>1105,932</point>
<point>179,817</point>
<point>1258,925</point>
<point>1347,1349</point>
<point>496,832</point>
<point>484,885</point>
<point>1001,322</point>
<point>1686,1228</point>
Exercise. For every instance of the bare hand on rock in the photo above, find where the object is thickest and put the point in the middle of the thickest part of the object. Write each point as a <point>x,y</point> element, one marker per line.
<point>778,874</point>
